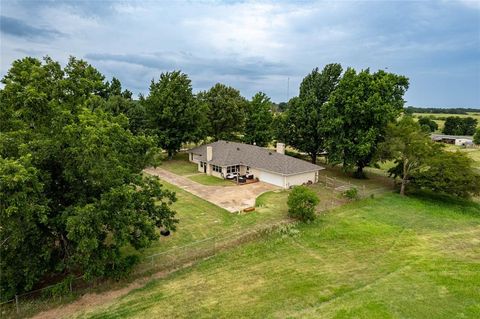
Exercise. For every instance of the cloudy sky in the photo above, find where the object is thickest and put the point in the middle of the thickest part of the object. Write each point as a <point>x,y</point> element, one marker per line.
<point>257,46</point>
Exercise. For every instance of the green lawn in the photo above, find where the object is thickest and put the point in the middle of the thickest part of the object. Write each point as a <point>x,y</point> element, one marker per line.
<point>210,180</point>
<point>199,219</point>
<point>388,257</point>
<point>180,165</point>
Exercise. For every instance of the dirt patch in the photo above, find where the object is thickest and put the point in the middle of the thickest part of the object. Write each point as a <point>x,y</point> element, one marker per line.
<point>93,300</point>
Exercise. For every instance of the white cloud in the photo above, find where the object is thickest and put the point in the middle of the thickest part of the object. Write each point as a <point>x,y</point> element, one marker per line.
<point>258,45</point>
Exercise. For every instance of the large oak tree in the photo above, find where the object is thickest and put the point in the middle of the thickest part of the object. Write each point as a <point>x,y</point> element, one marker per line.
<point>173,113</point>
<point>305,116</point>
<point>226,111</point>
<point>72,193</point>
<point>357,115</point>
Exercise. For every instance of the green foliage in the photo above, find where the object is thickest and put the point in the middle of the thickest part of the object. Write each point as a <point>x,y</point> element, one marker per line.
<point>429,123</point>
<point>409,146</point>
<point>448,173</point>
<point>301,203</point>
<point>476,137</point>
<point>24,237</point>
<point>174,114</point>
<point>258,120</point>
<point>226,111</point>
<point>72,194</point>
<point>455,125</point>
<point>304,121</point>
<point>351,193</point>
<point>358,113</point>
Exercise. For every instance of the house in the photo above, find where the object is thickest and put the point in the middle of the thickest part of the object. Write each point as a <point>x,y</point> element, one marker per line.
<point>453,139</point>
<point>223,157</point>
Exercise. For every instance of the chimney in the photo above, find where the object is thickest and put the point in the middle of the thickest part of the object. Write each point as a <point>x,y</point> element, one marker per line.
<point>281,148</point>
<point>209,153</point>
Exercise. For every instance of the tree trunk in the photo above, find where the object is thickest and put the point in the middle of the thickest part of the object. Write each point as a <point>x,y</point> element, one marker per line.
<point>170,154</point>
<point>402,188</point>
<point>359,173</point>
<point>404,177</point>
<point>314,158</point>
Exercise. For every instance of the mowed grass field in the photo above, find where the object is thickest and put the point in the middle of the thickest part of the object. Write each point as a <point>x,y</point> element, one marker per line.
<point>210,180</point>
<point>180,165</point>
<point>387,257</point>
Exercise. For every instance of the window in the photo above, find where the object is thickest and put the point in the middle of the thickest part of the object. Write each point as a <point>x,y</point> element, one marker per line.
<point>233,169</point>
<point>202,164</point>
<point>216,168</point>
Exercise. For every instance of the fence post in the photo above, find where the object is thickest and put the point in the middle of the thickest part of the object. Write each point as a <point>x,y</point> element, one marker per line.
<point>16,304</point>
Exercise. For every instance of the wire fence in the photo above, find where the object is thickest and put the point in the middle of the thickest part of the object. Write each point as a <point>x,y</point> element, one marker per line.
<point>23,305</point>
<point>176,258</point>
<point>339,188</point>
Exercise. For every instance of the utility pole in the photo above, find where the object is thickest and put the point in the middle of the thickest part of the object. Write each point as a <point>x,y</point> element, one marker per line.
<point>288,89</point>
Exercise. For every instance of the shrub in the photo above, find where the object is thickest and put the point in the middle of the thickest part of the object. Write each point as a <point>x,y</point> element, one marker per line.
<point>351,193</point>
<point>449,173</point>
<point>476,137</point>
<point>301,203</point>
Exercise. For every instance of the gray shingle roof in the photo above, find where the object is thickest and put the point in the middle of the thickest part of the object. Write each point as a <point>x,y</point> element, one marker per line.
<point>442,136</point>
<point>225,153</point>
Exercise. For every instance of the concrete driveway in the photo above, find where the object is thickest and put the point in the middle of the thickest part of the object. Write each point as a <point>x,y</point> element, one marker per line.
<point>232,198</point>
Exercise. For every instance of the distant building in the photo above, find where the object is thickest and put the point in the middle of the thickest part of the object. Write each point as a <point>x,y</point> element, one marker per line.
<point>453,139</point>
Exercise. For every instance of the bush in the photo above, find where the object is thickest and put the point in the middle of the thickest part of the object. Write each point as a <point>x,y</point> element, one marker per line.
<point>449,173</point>
<point>351,193</point>
<point>301,203</point>
<point>476,137</point>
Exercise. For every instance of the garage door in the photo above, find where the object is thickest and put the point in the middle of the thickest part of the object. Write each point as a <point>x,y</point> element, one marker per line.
<point>271,178</point>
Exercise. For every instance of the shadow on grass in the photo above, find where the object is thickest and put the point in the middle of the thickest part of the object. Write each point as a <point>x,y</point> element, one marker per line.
<point>468,206</point>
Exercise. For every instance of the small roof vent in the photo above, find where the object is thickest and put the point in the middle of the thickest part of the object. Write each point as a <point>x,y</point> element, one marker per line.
<point>238,148</point>
<point>269,153</point>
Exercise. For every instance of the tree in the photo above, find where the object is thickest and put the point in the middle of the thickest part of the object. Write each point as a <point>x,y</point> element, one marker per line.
<point>304,116</point>
<point>301,203</point>
<point>24,238</point>
<point>408,146</point>
<point>225,109</point>
<point>476,137</point>
<point>428,122</point>
<point>258,120</point>
<point>455,125</point>
<point>358,113</point>
<point>72,192</point>
<point>449,173</point>
<point>82,82</point>
<point>175,116</point>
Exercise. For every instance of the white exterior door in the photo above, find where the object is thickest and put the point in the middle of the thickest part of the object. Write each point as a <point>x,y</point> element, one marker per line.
<point>271,178</point>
